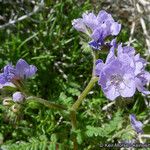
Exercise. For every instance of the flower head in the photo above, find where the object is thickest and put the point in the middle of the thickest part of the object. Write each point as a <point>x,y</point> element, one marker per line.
<point>123,73</point>
<point>117,79</point>
<point>136,125</point>
<point>98,27</point>
<point>22,71</point>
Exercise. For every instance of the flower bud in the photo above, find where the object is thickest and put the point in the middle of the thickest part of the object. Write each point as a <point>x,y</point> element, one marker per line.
<point>15,108</point>
<point>79,25</point>
<point>18,97</point>
<point>7,101</point>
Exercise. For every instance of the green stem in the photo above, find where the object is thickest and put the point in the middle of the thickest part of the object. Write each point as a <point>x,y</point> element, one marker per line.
<point>46,103</point>
<point>76,105</point>
<point>73,123</point>
<point>84,93</point>
<point>95,57</point>
<point>73,119</point>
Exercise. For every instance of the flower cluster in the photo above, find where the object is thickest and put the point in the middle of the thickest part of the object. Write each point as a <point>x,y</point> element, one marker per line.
<point>97,27</point>
<point>123,73</point>
<point>12,74</point>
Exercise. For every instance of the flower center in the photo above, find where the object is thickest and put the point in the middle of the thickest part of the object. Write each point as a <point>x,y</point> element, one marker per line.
<point>116,79</point>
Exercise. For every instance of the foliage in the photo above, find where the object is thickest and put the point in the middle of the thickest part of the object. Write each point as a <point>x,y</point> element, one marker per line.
<point>107,129</point>
<point>35,144</point>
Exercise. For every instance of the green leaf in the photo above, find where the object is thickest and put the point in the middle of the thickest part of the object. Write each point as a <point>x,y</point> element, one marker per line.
<point>107,128</point>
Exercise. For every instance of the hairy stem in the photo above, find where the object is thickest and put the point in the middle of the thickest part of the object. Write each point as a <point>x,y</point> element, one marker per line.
<point>78,102</point>
<point>84,93</point>
<point>95,57</point>
<point>73,123</point>
<point>76,105</point>
<point>46,103</point>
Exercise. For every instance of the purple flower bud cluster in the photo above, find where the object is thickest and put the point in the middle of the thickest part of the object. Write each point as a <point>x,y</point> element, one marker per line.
<point>97,27</point>
<point>122,73</point>
<point>21,71</point>
<point>136,125</point>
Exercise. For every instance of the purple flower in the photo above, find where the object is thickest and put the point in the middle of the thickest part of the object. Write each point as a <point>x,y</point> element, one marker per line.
<point>123,73</point>
<point>11,74</point>
<point>98,27</point>
<point>95,44</point>
<point>8,74</point>
<point>79,25</point>
<point>23,70</point>
<point>116,79</point>
<point>142,77</point>
<point>136,125</point>
<point>90,20</point>
<point>18,97</point>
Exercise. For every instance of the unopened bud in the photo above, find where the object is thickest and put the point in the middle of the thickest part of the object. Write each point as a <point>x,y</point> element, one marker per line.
<point>15,108</point>
<point>7,102</point>
<point>18,97</point>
